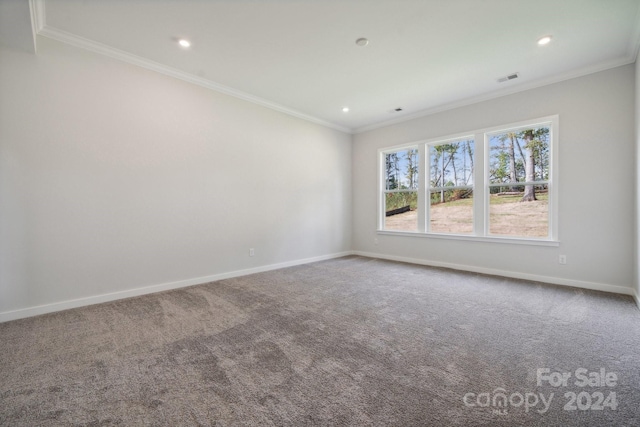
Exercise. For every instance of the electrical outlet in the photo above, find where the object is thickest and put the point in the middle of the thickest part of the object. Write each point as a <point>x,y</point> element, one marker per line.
<point>562,259</point>
<point>252,252</point>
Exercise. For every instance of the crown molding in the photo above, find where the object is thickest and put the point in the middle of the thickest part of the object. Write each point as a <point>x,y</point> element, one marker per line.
<point>102,49</point>
<point>500,93</point>
<point>38,20</point>
<point>632,55</point>
<point>36,11</point>
<point>38,15</point>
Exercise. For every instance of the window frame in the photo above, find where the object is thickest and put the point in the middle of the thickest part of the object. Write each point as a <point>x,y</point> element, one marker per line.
<point>383,184</point>
<point>480,187</point>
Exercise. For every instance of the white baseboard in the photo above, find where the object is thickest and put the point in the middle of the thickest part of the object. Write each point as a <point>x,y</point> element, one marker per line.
<point>97,299</point>
<point>516,275</point>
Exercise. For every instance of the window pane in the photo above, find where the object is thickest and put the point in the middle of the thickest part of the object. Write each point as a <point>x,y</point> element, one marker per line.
<point>451,211</point>
<point>451,164</point>
<point>520,156</point>
<point>401,211</point>
<point>401,170</point>
<point>520,211</point>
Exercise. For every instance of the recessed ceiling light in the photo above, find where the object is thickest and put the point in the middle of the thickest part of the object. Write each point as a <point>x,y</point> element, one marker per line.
<point>184,43</point>
<point>544,40</point>
<point>362,41</point>
<point>345,109</point>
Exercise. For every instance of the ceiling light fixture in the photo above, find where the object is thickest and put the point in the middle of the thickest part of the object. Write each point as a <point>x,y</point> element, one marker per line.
<point>544,40</point>
<point>362,42</point>
<point>345,109</point>
<point>184,43</point>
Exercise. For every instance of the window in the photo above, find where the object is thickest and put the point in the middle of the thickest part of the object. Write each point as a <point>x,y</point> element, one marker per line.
<point>518,184</point>
<point>490,183</point>
<point>401,189</point>
<point>450,187</point>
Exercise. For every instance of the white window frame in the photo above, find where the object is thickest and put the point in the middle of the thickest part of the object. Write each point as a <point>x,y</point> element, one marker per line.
<point>480,184</point>
<point>382,185</point>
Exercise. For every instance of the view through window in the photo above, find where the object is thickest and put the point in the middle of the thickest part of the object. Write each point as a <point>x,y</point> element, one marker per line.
<point>491,183</point>
<point>451,187</point>
<point>519,182</point>
<point>401,189</point>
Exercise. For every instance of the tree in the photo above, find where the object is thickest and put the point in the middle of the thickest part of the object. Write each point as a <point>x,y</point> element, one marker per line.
<point>441,157</point>
<point>396,169</point>
<point>470,154</point>
<point>537,146</point>
<point>512,160</point>
<point>450,167</point>
<point>452,150</point>
<point>412,168</point>
<point>499,170</point>
<point>435,155</point>
<point>529,165</point>
<point>391,161</point>
<point>508,141</point>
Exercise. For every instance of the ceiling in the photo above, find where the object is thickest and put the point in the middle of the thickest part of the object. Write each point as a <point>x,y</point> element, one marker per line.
<point>300,56</point>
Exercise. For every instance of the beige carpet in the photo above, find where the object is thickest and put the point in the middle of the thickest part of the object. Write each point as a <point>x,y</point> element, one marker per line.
<point>351,341</point>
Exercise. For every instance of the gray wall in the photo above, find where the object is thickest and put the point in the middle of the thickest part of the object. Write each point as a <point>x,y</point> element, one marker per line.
<point>115,181</point>
<point>115,178</point>
<point>596,184</point>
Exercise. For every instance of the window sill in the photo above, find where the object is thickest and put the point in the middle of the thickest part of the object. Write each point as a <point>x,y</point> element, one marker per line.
<point>470,238</point>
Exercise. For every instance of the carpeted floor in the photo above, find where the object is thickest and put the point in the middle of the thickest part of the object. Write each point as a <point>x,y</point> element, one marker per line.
<point>351,341</point>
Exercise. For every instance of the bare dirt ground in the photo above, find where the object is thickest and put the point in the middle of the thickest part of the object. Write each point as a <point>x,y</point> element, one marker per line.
<point>522,219</point>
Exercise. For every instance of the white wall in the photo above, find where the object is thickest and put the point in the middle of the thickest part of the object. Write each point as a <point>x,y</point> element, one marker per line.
<point>114,178</point>
<point>596,184</point>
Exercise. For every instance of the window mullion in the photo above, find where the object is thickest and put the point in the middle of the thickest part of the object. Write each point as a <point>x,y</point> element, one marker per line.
<point>519,184</point>
<point>381,193</point>
<point>423,175</point>
<point>480,176</point>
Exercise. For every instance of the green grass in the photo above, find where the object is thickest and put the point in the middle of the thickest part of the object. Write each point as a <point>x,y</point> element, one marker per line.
<point>502,200</point>
<point>398,200</point>
<point>495,200</point>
